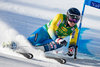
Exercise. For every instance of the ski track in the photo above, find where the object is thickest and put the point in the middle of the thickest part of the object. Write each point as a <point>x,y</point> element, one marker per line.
<point>19,18</point>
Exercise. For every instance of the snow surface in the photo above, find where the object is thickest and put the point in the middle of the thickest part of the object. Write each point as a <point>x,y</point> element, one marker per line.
<point>19,18</point>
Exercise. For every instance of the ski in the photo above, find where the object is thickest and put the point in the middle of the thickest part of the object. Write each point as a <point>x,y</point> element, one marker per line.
<point>60,60</point>
<point>26,55</point>
<point>14,47</point>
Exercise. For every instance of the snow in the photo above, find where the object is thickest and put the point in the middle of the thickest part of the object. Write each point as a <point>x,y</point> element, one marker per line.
<point>19,18</point>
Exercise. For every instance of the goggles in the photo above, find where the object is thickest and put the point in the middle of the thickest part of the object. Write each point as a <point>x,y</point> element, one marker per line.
<point>73,18</point>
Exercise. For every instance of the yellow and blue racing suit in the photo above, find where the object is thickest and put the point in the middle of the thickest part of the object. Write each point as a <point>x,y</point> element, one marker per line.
<point>56,28</point>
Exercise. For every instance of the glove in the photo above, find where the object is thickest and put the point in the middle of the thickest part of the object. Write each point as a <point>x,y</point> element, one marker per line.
<point>71,50</point>
<point>61,41</point>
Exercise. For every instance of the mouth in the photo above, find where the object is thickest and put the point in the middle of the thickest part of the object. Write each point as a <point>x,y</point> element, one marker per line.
<point>71,23</point>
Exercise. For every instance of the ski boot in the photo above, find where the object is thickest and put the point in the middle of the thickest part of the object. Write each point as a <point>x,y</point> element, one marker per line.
<point>49,47</point>
<point>40,48</point>
<point>9,44</point>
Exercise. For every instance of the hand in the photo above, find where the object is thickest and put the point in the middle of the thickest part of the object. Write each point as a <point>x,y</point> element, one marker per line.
<point>71,50</point>
<point>61,41</point>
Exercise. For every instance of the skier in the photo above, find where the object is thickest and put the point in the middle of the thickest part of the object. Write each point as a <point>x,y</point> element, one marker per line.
<point>51,35</point>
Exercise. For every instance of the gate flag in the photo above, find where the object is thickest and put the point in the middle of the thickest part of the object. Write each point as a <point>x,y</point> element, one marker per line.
<point>91,3</point>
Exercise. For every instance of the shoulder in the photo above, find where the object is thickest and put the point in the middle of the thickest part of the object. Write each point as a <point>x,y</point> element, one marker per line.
<point>76,28</point>
<point>60,16</point>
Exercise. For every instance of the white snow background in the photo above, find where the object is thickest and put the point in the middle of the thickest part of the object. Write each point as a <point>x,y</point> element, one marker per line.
<point>19,18</point>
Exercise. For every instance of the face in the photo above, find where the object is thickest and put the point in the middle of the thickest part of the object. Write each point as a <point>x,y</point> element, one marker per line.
<point>72,20</point>
<point>71,23</point>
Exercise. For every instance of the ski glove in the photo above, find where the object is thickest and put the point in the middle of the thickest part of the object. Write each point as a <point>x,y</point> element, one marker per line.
<point>61,41</point>
<point>71,49</point>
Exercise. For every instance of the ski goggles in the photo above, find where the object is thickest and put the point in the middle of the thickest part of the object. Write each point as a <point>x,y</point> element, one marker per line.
<point>73,18</point>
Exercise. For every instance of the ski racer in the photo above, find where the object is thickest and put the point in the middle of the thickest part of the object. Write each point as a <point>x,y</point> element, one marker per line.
<point>51,35</point>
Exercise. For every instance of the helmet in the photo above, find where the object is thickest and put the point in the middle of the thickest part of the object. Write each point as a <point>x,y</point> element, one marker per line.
<point>73,15</point>
<point>73,11</point>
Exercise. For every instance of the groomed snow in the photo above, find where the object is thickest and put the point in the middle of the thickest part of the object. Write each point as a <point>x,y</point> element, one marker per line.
<point>19,18</point>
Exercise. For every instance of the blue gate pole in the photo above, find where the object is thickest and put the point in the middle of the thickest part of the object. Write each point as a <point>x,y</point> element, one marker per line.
<point>80,25</point>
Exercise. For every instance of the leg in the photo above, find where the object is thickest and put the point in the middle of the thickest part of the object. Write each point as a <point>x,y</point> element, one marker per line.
<point>48,45</point>
<point>38,37</point>
<point>40,46</point>
<point>52,46</point>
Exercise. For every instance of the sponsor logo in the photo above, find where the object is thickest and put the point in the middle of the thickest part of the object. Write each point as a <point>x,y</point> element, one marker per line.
<point>51,45</point>
<point>73,34</point>
<point>95,4</point>
<point>59,22</point>
<point>72,28</point>
<point>63,28</point>
<point>54,45</point>
<point>36,35</point>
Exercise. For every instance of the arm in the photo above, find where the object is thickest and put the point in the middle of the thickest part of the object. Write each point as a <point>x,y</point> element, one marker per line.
<point>73,37</point>
<point>54,25</point>
<point>73,41</point>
